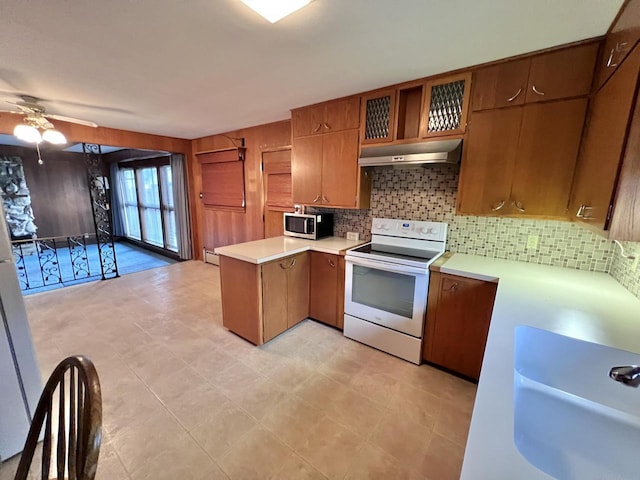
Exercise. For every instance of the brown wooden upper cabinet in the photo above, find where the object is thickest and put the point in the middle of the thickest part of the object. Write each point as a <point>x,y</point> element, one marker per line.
<point>606,190</point>
<point>520,161</point>
<point>416,110</point>
<point>325,171</point>
<point>564,73</point>
<point>621,40</point>
<point>446,102</point>
<point>377,121</point>
<point>325,148</point>
<point>334,116</point>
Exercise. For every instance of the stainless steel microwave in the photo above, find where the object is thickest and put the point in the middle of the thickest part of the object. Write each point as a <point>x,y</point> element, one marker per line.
<point>309,226</point>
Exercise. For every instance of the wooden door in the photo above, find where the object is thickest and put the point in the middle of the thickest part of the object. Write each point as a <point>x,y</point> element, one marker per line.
<point>489,157</point>
<point>340,169</point>
<point>274,298</point>
<point>446,103</point>
<point>377,120</point>
<point>547,153</point>
<point>297,289</point>
<point>603,145</point>
<point>308,120</point>
<point>562,74</point>
<point>342,115</point>
<point>276,185</point>
<point>461,324</point>
<point>502,85</point>
<point>323,288</point>
<point>306,170</point>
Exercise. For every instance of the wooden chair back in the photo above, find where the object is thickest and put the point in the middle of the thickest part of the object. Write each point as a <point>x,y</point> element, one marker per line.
<point>70,409</point>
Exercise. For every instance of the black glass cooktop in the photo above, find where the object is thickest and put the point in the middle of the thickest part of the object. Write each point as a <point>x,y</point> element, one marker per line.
<point>392,251</point>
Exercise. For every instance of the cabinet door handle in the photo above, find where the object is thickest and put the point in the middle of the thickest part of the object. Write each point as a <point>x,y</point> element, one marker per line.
<point>327,126</point>
<point>518,205</point>
<point>317,129</point>
<point>331,262</point>
<point>610,59</point>
<point>511,99</point>
<point>453,287</point>
<point>580,213</point>
<point>293,262</point>
<point>537,91</point>
<point>282,266</point>
<point>316,199</point>
<point>498,206</point>
<point>325,199</point>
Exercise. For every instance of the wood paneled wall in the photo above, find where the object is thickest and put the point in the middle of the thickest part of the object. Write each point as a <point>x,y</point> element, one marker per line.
<point>59,191</point>
<point>216,228</point>
<point>122,138</point>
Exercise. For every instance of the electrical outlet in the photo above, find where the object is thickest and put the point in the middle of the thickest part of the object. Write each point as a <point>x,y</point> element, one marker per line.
<point>353,236</point>
<point>532,242</point>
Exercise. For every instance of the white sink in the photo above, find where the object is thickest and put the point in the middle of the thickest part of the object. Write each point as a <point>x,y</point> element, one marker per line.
<point>570,419</point>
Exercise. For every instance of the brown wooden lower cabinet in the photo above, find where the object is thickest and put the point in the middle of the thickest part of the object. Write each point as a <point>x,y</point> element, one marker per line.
<point>260,302</point>
<point>458,316</point>
<point>326,288</point>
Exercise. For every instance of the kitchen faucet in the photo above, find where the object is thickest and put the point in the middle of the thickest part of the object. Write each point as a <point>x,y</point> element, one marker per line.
<point>629,375</point>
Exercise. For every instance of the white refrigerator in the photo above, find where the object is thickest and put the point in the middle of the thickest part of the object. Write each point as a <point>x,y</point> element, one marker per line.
<point>20,381</point>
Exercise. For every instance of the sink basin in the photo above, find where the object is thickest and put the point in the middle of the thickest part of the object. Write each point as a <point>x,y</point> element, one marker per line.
<point>570,419</point>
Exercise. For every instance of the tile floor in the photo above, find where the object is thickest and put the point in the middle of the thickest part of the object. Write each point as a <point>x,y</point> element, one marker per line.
<point>185,399</point>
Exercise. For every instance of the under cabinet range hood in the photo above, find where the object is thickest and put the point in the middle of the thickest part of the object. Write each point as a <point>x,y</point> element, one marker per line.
<point>412,154</point>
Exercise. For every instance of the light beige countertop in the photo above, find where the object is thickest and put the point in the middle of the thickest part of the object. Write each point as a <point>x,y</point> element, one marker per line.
<point>588,306</point>
<point>270,249</point>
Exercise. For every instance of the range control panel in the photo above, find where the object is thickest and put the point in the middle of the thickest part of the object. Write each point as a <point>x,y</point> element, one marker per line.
<point>409,229</point>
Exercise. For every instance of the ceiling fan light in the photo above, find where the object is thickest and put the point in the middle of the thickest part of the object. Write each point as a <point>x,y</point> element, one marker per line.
<point>274,10</point>
<point>27,133</point>
<point>54,136</point>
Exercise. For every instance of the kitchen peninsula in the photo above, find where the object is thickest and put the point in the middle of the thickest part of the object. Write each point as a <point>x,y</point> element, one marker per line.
<point>270,285</point>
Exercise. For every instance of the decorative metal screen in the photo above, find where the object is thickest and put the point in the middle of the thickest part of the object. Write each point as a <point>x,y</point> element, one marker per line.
<point>446,106</point>
<point>378,117</point>
<point>99,191</point>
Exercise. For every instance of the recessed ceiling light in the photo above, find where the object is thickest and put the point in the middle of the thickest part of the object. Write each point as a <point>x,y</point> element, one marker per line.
<point>274,10</point>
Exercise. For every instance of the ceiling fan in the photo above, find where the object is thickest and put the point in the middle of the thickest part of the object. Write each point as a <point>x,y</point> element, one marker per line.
<point>36,118</point>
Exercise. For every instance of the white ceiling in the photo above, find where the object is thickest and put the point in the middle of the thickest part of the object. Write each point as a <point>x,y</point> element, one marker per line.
<point>191,69</point>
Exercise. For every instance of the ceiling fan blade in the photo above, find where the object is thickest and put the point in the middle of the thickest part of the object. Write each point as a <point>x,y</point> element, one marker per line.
<point>12,111</point>
<point>62,118</point>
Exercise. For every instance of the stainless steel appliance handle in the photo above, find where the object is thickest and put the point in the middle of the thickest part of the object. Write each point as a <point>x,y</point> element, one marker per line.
<point>373,264</point>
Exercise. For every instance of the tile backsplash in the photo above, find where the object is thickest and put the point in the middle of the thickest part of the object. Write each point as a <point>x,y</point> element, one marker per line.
<point>622,268</point>
<point>430,194</point>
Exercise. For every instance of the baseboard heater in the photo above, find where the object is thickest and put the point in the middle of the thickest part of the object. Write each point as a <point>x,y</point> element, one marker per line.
<point>210,257</point>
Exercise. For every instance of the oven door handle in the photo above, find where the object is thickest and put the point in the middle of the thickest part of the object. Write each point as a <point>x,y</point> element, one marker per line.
<point>387,267</point>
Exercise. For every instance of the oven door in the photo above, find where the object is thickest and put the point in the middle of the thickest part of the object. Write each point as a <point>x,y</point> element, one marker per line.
<point>390,295</point>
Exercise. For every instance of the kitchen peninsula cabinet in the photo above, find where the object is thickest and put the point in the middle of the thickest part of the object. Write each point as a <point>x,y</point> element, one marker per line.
<point>564,73</point>
<point>285,294</point>
<point>606,190</point>
<point>326,288</point>
<point>520,161</point>
<point>458,315</point>
<point>260,302</point>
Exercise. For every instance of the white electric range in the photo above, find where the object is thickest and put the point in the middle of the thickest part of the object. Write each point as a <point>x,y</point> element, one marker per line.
<point>387,282</point>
